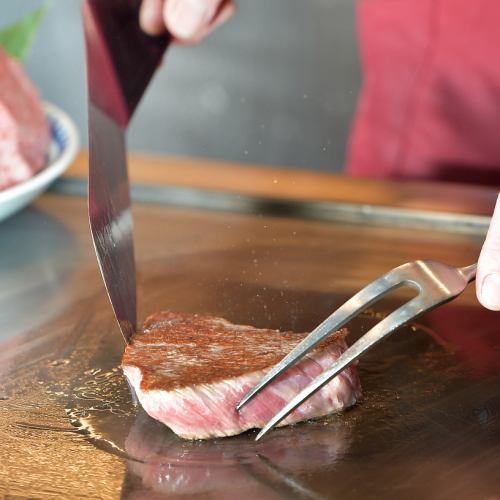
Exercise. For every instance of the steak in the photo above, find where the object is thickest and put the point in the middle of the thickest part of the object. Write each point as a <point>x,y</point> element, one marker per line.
<point>24,131</point>
<point>189,371</point>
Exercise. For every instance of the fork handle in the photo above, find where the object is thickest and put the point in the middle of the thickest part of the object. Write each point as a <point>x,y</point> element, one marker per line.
<point>469,272</point>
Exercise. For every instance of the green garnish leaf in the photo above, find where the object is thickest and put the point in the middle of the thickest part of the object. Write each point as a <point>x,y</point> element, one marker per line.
<point>17,39</point>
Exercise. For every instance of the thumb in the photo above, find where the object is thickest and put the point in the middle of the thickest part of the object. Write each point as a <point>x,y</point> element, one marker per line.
<point>488,269</point>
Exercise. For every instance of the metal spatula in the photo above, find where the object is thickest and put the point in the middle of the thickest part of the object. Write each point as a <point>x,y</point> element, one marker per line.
<point>121,61</point>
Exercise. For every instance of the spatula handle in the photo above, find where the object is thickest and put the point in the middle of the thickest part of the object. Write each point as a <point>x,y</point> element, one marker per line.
<point>126,57</point>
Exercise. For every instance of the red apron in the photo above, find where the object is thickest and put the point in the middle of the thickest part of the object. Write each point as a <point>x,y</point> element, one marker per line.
<point>430,102</point>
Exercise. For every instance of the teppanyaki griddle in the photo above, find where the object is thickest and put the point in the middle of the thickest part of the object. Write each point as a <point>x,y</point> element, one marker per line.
<point>428,426</point>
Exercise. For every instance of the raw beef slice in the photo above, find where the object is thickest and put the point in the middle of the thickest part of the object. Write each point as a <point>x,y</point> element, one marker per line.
<point>24,132</point>
<point>189,371</point>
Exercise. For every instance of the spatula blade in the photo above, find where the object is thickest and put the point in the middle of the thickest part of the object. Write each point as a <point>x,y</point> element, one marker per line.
<point>121,61</point>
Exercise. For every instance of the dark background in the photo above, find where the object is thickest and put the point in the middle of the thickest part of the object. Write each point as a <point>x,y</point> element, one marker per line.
<point>276,85</point>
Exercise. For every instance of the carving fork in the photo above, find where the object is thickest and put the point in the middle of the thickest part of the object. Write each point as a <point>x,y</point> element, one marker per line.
<point>436,284</point>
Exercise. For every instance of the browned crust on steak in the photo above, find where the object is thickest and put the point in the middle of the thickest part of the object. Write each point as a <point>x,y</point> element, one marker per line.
<point>176,350</point>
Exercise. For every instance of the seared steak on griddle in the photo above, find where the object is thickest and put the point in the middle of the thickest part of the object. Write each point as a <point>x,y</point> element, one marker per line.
<point>189,371</point>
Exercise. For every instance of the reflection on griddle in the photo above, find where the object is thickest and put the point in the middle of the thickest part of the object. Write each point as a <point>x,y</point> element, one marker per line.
<point>472,333</point>
<point>37,254</point>
<point>169,465</point>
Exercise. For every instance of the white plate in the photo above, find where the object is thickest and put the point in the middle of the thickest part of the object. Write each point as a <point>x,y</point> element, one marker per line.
<point>62,151</point>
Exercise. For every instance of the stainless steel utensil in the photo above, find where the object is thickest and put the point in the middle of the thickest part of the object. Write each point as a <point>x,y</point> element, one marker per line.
<point>121,61</point>
<point>436,284</point>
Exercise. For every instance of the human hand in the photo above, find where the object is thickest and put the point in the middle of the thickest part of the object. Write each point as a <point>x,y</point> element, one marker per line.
<point>488,269</point>
<point>188,21</point>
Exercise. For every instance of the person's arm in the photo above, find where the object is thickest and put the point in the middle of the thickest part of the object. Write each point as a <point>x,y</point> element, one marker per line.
<point>188,21</point>
<point>488,269</point>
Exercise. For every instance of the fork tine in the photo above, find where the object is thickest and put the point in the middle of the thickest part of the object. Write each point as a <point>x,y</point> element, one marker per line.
<point>400,316</point>
<point>356,304</point>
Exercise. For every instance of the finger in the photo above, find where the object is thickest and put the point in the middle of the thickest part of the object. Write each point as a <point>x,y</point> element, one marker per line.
<point>225,13</point>
<point>488,270</point>
<point>189,20</point>
<point>151,17</point>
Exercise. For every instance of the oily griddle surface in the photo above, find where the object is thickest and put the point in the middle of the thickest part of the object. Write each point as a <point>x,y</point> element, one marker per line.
<point>428,426</point>
<point>176,350</point>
